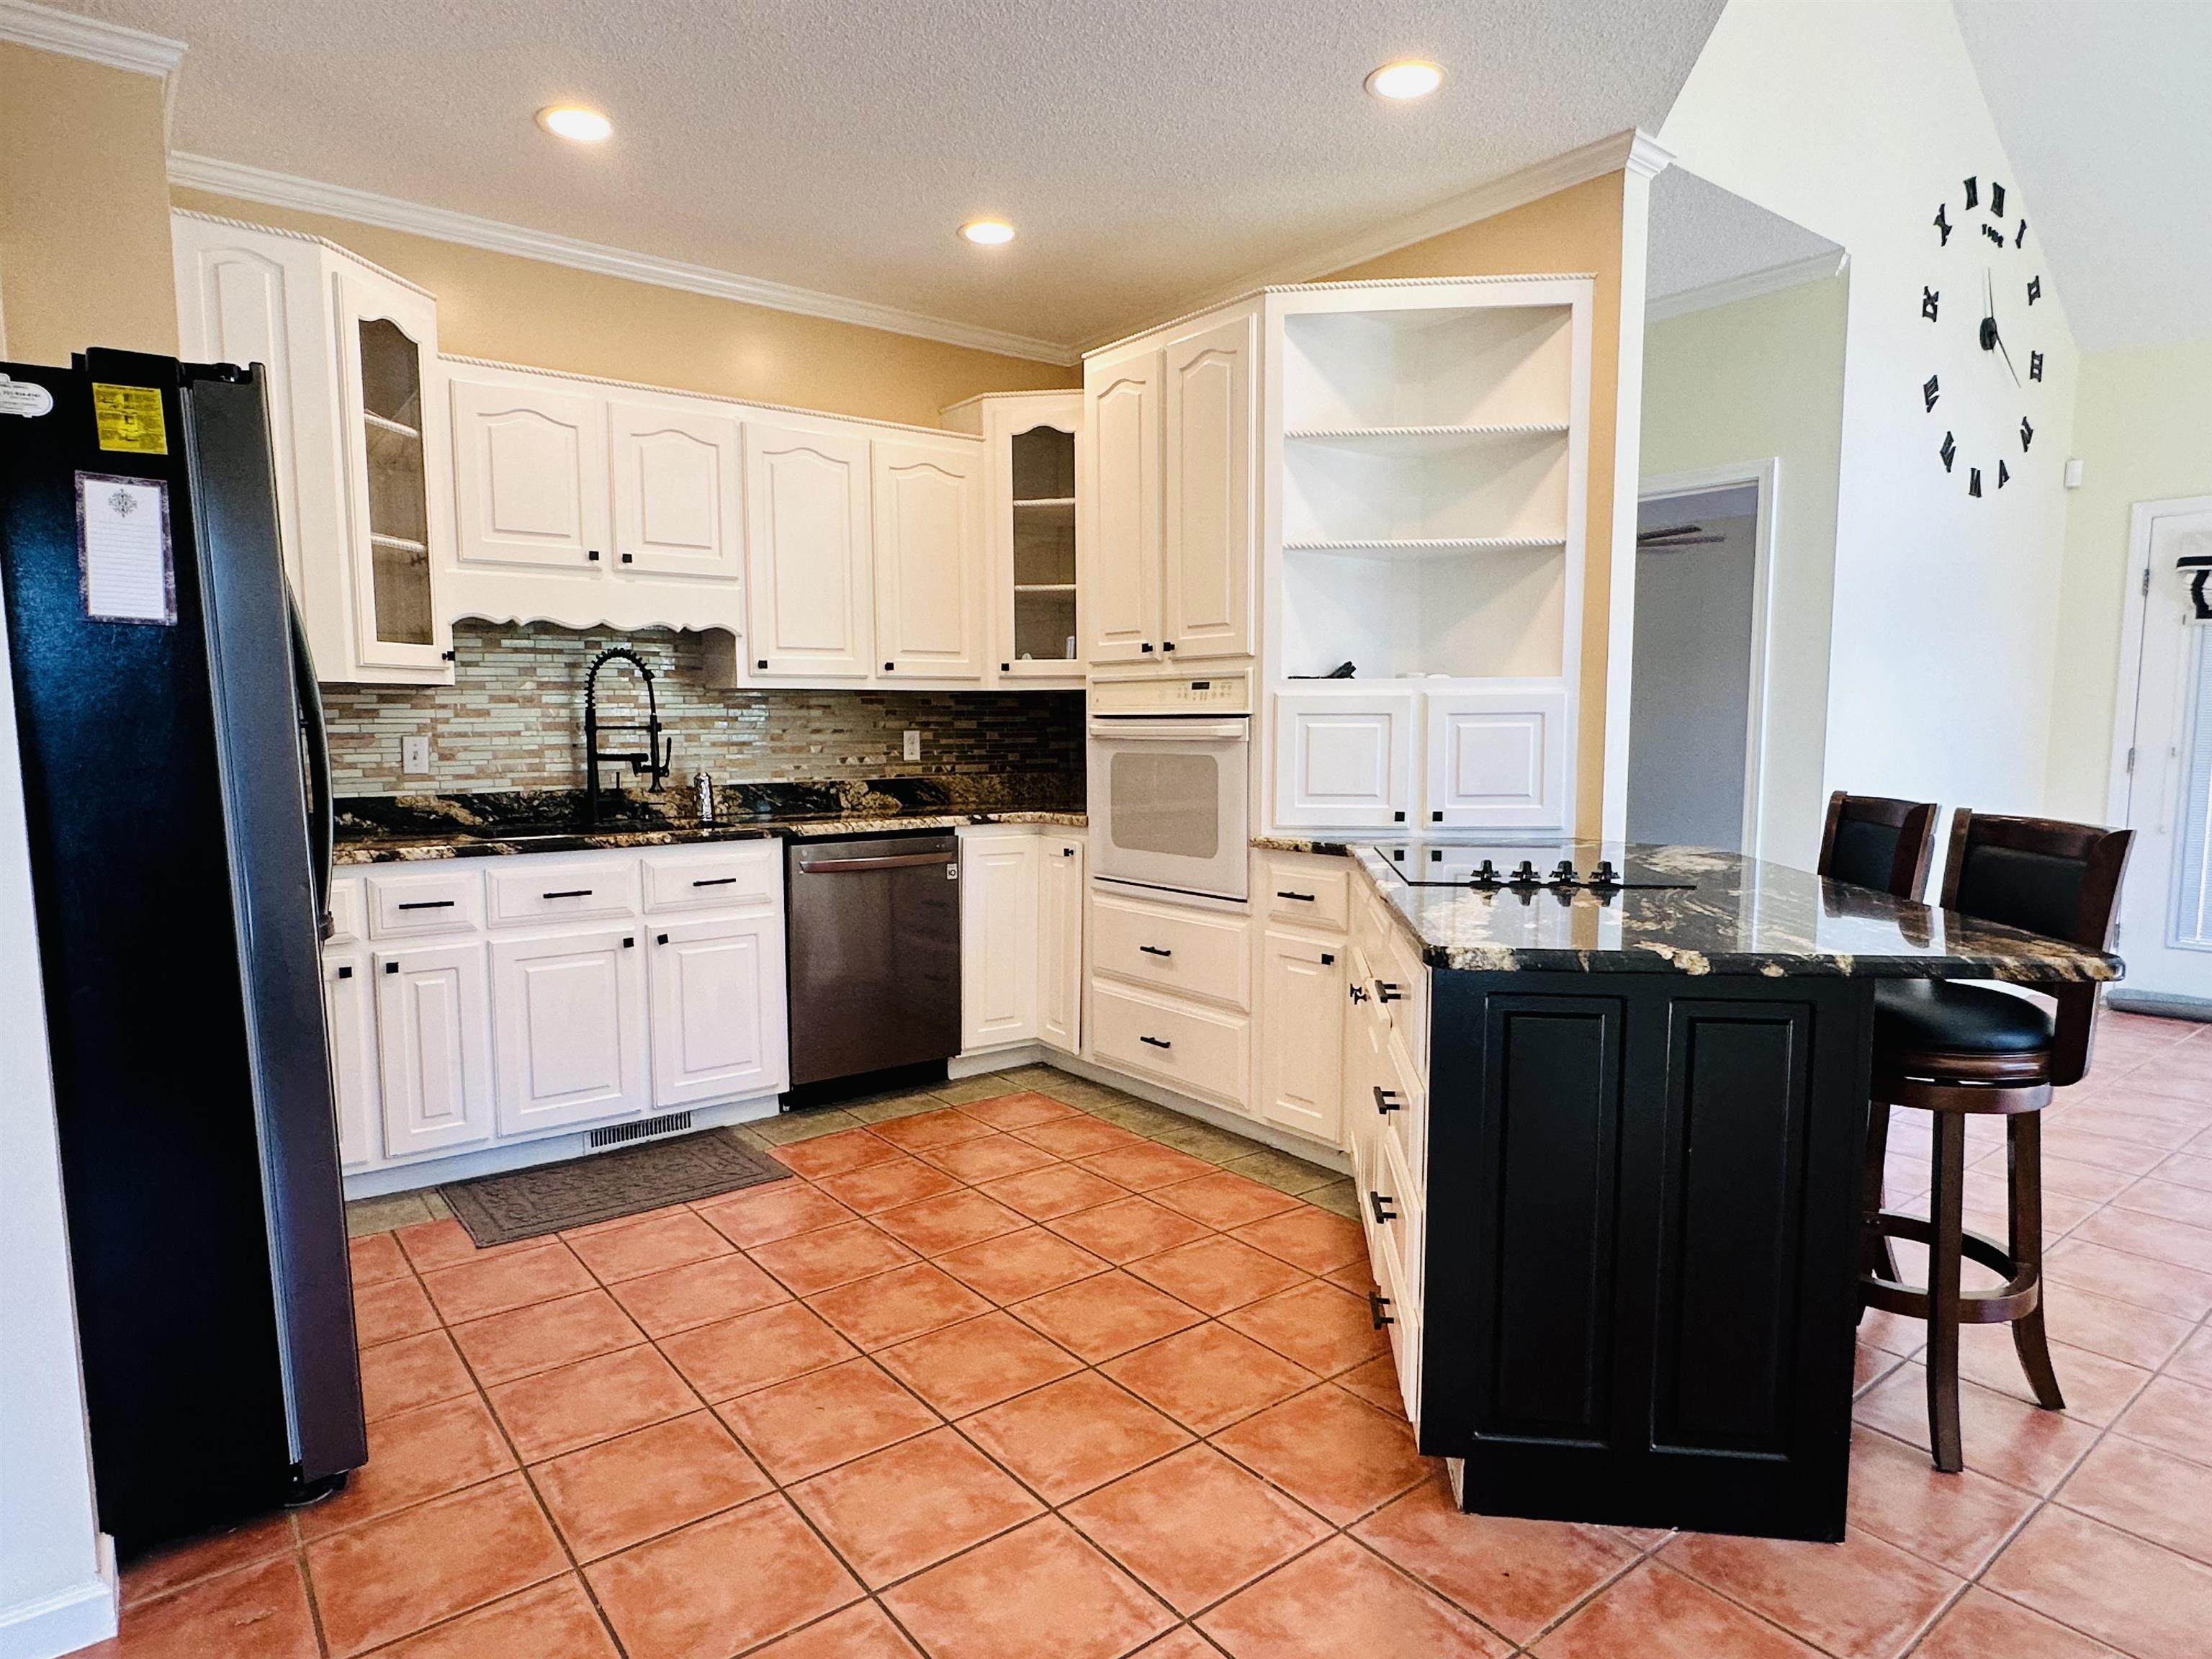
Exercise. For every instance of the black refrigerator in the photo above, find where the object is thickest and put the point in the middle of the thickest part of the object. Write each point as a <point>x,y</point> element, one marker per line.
<point>177,790</point>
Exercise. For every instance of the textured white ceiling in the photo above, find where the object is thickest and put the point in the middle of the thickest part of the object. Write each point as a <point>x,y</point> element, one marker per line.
<point>1148,150</point>
<point>1702,234</point>
<point>2106,112</point>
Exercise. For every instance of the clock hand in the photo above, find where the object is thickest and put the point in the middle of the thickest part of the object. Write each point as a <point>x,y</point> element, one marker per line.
<point>1999,338</point>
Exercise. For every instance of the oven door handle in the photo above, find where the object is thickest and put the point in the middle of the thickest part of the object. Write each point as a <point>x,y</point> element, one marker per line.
<point>1172,730</point>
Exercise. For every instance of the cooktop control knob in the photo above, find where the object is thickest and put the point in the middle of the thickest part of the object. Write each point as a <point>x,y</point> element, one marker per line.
<point>1526,873</point>
<point>1604,876</point>
<point>1486,874</point>
<point>1564,872</point>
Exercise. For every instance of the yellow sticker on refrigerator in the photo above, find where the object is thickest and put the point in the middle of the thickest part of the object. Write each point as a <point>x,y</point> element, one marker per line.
<point>129,419</point>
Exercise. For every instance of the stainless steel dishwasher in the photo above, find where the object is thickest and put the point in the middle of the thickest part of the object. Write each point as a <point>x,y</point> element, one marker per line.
<point>874,926</point>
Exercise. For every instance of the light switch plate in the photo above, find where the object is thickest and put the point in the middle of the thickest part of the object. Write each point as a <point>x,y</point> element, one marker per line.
<point>914,745</point>
<point>414,757</point>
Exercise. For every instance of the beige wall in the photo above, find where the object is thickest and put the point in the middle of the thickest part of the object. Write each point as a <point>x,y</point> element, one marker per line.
<point>2142,428</point>
<point>527,310</point>
<point>1764,377</point>
<point>85,209</point>
<point>1577,229</point>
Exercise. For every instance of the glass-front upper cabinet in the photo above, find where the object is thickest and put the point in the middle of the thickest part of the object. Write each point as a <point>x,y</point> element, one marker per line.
<point>1030,437</point>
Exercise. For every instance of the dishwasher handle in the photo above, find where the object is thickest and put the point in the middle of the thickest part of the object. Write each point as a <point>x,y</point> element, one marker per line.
<point>896,861</point>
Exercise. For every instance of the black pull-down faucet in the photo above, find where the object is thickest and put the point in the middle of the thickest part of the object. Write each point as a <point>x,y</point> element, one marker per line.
<point>651,761</point>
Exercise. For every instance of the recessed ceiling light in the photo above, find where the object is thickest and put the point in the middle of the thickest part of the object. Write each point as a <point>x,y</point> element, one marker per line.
<point>987,233</point>
<point>574,122</point>
<point>1409,79</point>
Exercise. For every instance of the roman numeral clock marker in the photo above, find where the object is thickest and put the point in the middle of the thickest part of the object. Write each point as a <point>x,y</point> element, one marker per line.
<point>1972,346</point>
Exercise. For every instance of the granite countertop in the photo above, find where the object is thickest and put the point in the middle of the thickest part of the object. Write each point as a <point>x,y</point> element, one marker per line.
<point>1740,916</point>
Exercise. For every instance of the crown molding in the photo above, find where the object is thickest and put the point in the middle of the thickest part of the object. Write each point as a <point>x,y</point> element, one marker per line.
<point>1772,280</point>
<point>254,184</point>
<point>45,29</point>
<point>1631,151</point>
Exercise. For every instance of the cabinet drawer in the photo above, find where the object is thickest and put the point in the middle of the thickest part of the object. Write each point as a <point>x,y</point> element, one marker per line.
<point>1196,953</point>
<point>1401,1110</point>
<point>1405,1229</point>
<point>528,890</point>
<point>449,901</point>
<point>721,880</point>
<point>1307,894</point>
<point>346,923</point>
<point>1202,1051</point>
<point>1401,991</point>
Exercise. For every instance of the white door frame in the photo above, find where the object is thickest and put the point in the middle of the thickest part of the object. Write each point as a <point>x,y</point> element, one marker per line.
<point>2142,520</point>
<point>1766,476</point>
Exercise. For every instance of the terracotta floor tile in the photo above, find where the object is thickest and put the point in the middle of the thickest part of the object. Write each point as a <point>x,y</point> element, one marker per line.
<point>249,1613</point>
<point>1216,1274</point>
<point>1106,1314</point>
<point>911,1506</point>
<point>537,1339</point>
<point>417,1455</point>
<point>2097,1389</point>
<point>2145,1600</point>
<point>2175,1416</point>
<point>1074,1435</point>
<point>2164,1198</point>
<point>815,1422</point>
<point>1515,1575</point>
<point>416,1370</point>
<point>2127,1156</point>
<point>1894,1332</point>
<point>2158,1237</point>
<point>2187,1169</point>
<point>1870,1365</point>
<point>677,1298</point>
<point>990,1156</point>
<point>1195,1527</point>
<point>474,1290</point>
<point>1140,1169</point>
<point>1980,1625</point>
<point>836,1255</point>
<point>2020,1444</point>
<point>388,1311</point>
<point>761,1215</point>
<point>1055,1190</point>
<point>1128,1228</point>
<point>721,1585</point>
<point>1860,1599</point>
<point>834,1154</point>
<point>652,1244</point>
<point>1081,1137</point>
<point>2119,1330</point>
<point>963,1368</point>
<point>1342,1600</point>
<point>391,1577</point>
<point>1325,1329</point>
<point>624,1491</point>
<point>2141,1490</point>
<point>555,1620</point>
<point>926,1130</point>
<point>1019,1265</point>
<point>1182,1643</point>
<point>862,1631</point>
<point>893,1307</point>
<point>2092,1181</point>
<point>445,1244</point>
<point>1331,1450</point>
<point>886,1186</point>
<point>1224,1200</point>
<point>1959,1522</point>
<point>1040,1589</point>
<point>1377,1382</point>
<point>1208,1377</point>
<point>376,1257</point>
<point>754,1350</point>
<point>949,1221</point>
<point>1307,1237</point>
<point>558,1411</point>
<point>2192,1361</point>
<point>1653,1614</point>
<point>1022,1111</point>
<point>175,1565</point>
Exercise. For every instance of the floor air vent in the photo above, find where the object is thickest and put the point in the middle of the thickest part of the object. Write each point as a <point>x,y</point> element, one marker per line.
<point>617,1134</point>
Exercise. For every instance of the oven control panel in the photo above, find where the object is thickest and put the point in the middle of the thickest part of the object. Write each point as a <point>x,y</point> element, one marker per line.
<point>1196,694</point>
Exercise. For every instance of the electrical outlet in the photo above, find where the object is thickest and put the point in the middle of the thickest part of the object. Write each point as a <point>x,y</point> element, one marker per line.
<point>914,745</point>
<point>414,757</point>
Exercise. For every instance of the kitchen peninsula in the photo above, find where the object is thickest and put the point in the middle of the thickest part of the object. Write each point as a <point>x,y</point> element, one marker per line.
<point>1612,1164</point>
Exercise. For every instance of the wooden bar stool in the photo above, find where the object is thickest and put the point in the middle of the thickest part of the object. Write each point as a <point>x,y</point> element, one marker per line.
<point>1951,1050</point>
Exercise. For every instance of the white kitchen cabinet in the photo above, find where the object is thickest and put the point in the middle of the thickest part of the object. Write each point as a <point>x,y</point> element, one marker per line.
<point>673,469</point>
<point>928,558</point>
<point>719,1026</point>
<point>1032,497</point>
<point>999,942</point>
<point>1343,761</point>
<point>569,1018</point>
<point>529,471</point>
<point>1497,759</point>
<point>1301,1047</point>
<point>350,1020</point>
<point>1059,941</point>
<point>809,559</point>
<point>434,1048</point>
<point>1208,548</point>
<point>1121,574</point>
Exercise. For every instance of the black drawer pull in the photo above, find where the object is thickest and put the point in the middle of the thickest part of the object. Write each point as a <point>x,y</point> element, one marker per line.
<point>1157,1043</point>
<point>569,892</point>
<point>1387,1100</point>
<point>427,904</point>
<point>1068,852</point>
<point>715,881</point>
<point>1387,990</point>
<point>1384,1207</point>
<point>1358,992</point>
<point>1302,898</point>
<point>1378,1309</point>
<point>345,973</point>
<point>1155,950</point>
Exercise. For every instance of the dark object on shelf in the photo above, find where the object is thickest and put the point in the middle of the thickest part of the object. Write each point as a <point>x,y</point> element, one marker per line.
<point>1343,670</point>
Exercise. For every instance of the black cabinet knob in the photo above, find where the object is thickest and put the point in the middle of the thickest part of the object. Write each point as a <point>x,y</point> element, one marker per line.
<point>660,939</point>
<point>593,556</point>
<point>390,967</point>
<point>760,662</point>
<point>887,667</point>
<point>1170,645</point>
<point>1397,817</point>
<point>629,945</point>
<point>626,559</point>
<point>1146,646</point>
<point>345,972</point>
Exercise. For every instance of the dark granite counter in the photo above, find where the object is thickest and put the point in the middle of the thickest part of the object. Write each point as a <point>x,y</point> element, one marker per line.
<point>1735,916</point>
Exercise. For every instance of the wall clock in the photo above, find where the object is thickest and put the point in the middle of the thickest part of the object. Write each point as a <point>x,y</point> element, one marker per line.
<point>1981,313</point>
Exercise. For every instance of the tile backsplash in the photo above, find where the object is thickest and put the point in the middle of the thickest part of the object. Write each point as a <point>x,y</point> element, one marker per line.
<point>513,718</point>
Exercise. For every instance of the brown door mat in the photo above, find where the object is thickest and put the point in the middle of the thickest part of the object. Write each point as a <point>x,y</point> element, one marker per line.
<point>602,1185</point>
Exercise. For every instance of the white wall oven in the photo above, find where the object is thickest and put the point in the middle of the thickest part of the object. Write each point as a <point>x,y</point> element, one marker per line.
<point>1170,775</point>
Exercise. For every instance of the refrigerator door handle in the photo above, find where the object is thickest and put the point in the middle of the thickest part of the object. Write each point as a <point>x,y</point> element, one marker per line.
<point>315,740</point>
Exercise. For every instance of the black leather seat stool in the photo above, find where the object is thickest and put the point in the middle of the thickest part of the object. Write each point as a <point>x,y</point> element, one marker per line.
<point>1951,1049</point>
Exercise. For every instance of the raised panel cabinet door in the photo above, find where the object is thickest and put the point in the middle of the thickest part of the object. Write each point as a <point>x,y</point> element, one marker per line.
<point>1343,762</point>
<point>719,1024</point>
<point>673,491</point>
<point>1121,573</point>
<point>529,475</point>
<point>809,567</point>
<point>434,1048</point>
<point>1209,548</point>
<point>998,941</point>
<point>350,1014</point>
<point>569,1016</point>
<point>929,558</point>
<point>1301,1034</point>
<point>1498,759</point>
<point>1059,942</point>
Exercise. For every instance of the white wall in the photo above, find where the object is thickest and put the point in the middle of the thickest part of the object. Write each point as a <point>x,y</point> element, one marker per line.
<point>1764,377</point>
<point>55,1580</point>
<point>1856,121</point>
